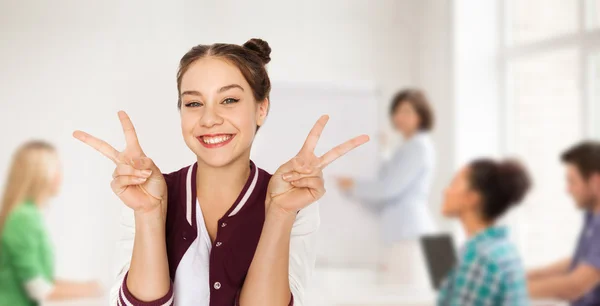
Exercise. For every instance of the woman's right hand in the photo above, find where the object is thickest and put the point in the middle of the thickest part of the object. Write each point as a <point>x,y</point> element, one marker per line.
<point>137,181</point>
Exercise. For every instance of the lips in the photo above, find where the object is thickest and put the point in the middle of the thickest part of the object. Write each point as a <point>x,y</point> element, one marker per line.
<point>215,140</point>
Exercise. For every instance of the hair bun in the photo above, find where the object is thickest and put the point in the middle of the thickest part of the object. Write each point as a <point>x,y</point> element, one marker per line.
<point>261,48</point>
<point>513,180</point>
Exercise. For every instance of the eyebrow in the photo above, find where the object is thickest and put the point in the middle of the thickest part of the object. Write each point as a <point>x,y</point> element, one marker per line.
<point>222,89</point>
<point>228,87</point>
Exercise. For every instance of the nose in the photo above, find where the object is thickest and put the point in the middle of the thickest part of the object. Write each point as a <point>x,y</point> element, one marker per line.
<point>210,117</point>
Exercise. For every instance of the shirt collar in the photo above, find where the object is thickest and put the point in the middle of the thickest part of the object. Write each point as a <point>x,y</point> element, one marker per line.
<point>592,217</point>
<point>490,233</point>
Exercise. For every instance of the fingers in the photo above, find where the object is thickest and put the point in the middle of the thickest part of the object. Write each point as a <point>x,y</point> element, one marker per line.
<point>301,165</point>
<point>142,163</point>
<point>342,149</point>
<point>315,183</point>
<point>134,172</point>
<point>130,135</point>
<point>120,183</point>
<point>302,169</point>
<point>98,144</point>
<point>127,170</point>
<point>294,176</point>
<point>315,133</point>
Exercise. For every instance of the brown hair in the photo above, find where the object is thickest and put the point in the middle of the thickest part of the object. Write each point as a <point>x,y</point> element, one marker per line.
<point>585,156</point>
<point>501,185</point>
<point>419,102</point>
<point>249,58</point>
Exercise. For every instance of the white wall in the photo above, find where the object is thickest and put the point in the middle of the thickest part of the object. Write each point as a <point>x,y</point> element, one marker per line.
<point>72,65</point>
<point>476,83</point>
<point>476,37</point>
<point>434,74</point>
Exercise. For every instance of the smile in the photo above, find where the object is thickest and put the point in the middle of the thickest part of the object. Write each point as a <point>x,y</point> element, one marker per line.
<point>215,141</point>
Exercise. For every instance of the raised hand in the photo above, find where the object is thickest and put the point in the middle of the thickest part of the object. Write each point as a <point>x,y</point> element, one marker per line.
<point>299,182</point>
<point>137,181</point>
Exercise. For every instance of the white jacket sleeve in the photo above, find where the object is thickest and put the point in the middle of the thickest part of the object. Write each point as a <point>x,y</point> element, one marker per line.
<point>303,252</point>
<point>125,249</point>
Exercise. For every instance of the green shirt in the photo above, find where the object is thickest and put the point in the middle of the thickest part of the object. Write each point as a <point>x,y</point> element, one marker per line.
<point>25,254</point>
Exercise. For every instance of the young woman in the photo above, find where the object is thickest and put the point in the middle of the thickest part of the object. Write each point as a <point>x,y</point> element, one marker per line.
<point>489,270</point>
<point>400,193</point>
<point>26,256</point>
<point>221,231</point>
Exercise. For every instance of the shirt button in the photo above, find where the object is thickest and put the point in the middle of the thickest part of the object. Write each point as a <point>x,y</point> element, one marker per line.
<point>217,286</point>
<point>223,224</point>
<point>219,243</point>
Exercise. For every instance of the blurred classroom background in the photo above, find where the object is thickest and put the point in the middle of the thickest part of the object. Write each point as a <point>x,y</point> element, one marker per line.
<point>510,77</point>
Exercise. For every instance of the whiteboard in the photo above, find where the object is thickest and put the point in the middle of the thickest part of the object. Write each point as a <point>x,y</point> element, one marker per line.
<point>348,233</point>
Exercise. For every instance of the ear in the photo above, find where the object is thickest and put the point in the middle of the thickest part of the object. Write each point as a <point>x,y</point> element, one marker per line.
<point>472,200</point>
<point>262,111</point>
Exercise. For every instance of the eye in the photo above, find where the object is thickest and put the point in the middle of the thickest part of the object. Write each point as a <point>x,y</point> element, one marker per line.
<point>193,104</point>
<point>230,101</point>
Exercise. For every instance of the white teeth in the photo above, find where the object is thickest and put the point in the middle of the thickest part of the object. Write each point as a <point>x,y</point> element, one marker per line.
<point>216,140</point>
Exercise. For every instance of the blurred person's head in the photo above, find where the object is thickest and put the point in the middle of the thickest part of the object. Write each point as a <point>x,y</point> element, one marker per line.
<point>485,189</point>
<point>35,175</point>
<point>582,163</point>
<point>411,112</point>
<point>223,99</point>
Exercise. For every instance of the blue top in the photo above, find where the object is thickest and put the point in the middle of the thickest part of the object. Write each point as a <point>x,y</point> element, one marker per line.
<point>401,190</point>
<point>489,272</point>
<point>588,252</point>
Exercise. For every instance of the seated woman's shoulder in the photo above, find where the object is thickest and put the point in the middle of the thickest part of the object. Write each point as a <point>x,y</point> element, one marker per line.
<point>497,254</point>
<point>23,219</point>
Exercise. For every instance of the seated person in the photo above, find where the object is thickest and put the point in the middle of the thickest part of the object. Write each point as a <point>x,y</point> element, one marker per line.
<point>577,279</point>
<point>26,256</point>
<point>489,270</point>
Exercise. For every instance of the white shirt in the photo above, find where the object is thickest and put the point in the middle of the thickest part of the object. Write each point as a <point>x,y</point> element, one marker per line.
<point>400,192</point>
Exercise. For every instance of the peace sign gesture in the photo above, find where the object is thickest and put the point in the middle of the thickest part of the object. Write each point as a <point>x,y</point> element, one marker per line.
<point>299,182</point>
<point>136,180</point>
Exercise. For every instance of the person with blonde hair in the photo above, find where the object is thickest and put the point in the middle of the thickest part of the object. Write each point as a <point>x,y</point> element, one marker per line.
<point>26,255</point>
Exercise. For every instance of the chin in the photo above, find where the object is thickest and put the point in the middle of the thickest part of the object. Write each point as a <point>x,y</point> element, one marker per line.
<point>585,206</point>
<point>217,160</point>
<point>449,213</point>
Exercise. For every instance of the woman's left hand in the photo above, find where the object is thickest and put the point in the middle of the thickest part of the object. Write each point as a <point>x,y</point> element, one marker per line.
<point>299,182</point>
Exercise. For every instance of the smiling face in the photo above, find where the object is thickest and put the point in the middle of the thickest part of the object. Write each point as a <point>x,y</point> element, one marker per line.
<point>219,114</point>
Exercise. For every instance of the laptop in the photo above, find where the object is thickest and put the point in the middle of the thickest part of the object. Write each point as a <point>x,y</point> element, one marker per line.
<point>440,257</point>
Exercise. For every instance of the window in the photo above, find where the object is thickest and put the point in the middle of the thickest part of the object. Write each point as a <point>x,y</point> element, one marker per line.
<point>593,72</point>
<point>535,20</point>
<point>545,114</point>
<point>552,98</point>
<point>593,14</point>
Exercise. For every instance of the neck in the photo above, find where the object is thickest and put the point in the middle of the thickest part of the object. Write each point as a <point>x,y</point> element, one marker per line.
<point>41,200</point>
<point>474,224</point>
<point>226,180</point>
<point>596,206</point>
<point>409,134</point>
